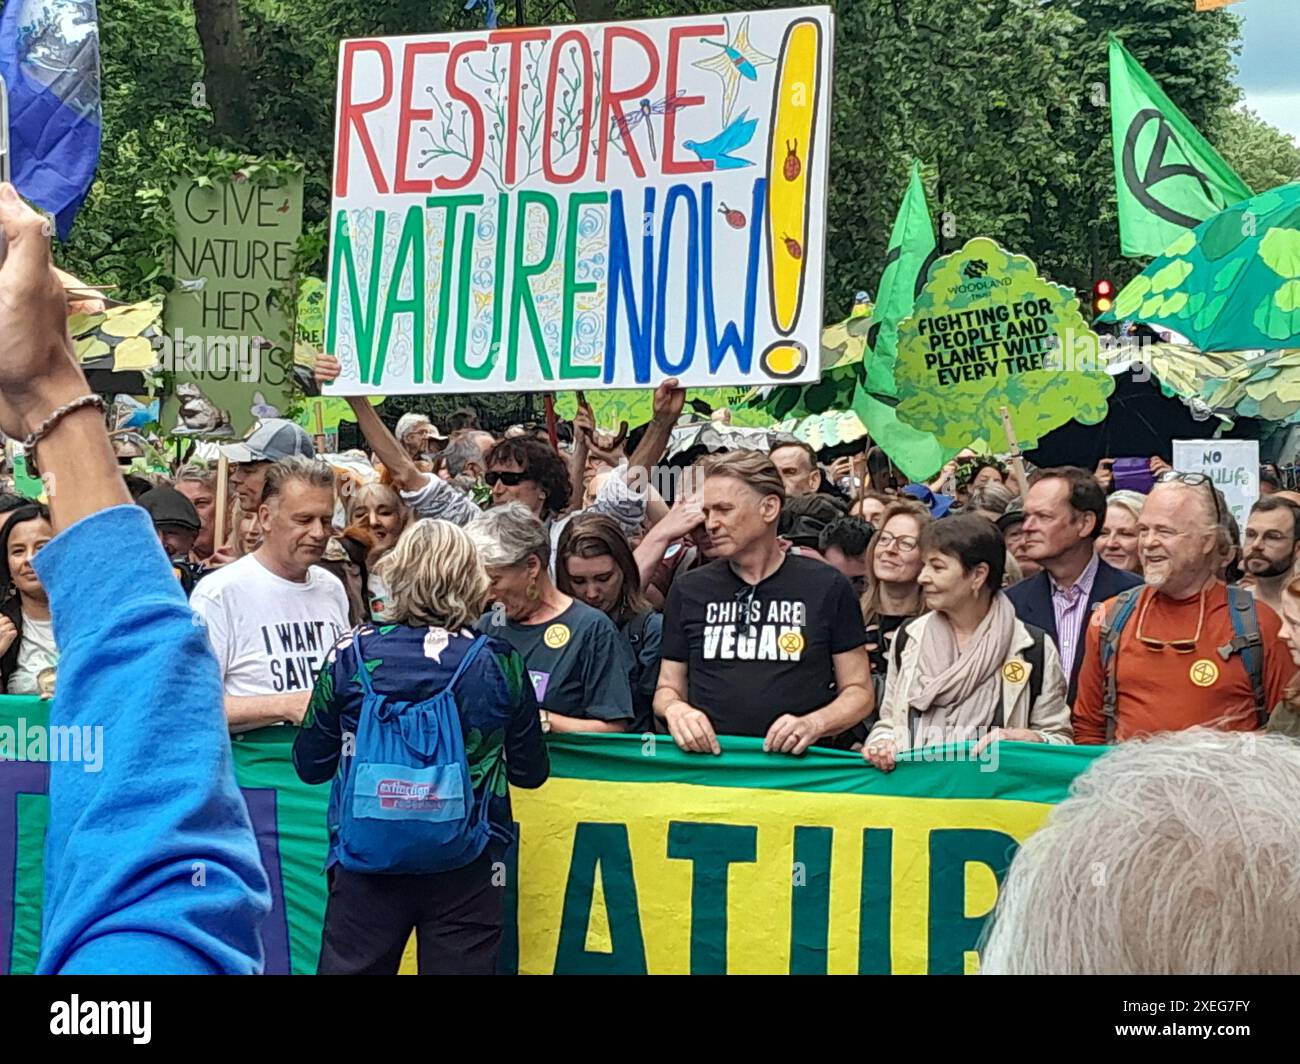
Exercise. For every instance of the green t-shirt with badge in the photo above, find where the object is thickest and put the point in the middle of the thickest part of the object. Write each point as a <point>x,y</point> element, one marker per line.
<point>578,663</point>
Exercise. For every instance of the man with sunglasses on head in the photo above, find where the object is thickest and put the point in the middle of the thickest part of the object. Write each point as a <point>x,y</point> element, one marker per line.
<point>760,642</point>
<point>1183,650</point>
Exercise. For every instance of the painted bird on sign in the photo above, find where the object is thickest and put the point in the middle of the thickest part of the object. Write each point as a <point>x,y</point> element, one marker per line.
<point>717,150</point>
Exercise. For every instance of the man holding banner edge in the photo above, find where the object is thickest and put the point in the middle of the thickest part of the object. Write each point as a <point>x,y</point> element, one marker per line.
<point>759,628</point>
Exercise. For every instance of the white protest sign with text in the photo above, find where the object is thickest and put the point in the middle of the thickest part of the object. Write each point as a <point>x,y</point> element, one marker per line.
<point>565,207</point>
<point>1232,464</point>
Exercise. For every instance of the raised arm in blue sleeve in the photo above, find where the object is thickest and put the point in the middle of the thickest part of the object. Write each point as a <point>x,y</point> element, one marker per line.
<point>150,863</point>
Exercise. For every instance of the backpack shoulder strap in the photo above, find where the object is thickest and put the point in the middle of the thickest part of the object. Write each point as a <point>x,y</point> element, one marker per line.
<point>899,642</point>
<point>363,674</point>
<point>1112,625</point>
<point>896,648</point>
<point>466,661</point>
<point>1247,642</point>
<point>636,629</point>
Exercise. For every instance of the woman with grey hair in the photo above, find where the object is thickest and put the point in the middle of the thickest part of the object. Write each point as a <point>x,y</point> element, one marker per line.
<point>437,588</point>
<point>576,660</point>
<point>990,499</point>
<point>1172,856</point>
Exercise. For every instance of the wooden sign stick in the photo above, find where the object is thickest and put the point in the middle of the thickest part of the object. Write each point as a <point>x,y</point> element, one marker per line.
<point>1017,462</point>
<point>219,532</point>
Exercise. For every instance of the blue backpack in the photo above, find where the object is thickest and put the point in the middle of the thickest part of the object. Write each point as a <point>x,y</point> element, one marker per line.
<point>403,803</point>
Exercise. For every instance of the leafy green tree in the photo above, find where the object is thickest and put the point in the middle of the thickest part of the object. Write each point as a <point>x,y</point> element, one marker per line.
<point>1262,154</point>
<point>995,98</point>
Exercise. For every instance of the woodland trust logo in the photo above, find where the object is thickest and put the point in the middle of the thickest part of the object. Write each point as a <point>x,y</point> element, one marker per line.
<point>977,283</point>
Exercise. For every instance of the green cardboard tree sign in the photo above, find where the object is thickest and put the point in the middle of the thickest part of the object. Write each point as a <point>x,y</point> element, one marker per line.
<point>986,332</point>
<point>309,341</point>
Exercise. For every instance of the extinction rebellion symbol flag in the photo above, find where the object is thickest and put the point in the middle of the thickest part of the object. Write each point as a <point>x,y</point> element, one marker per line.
<point>1168,178</point>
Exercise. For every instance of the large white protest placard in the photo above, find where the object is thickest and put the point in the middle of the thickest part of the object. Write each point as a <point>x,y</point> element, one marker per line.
<point>565,207</point>
<point>1232,464</point>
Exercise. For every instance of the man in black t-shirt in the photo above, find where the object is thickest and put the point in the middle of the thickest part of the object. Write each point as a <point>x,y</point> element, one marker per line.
<point>759,642</point>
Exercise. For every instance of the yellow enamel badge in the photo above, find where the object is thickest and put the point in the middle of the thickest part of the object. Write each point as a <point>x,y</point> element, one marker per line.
<point>1203,673</point>
<point>1014,672</point>
<point>791,642</point>
<point>556,636</point>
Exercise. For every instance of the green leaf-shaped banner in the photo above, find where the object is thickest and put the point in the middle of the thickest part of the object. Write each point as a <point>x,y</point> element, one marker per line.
<point>986,332</point>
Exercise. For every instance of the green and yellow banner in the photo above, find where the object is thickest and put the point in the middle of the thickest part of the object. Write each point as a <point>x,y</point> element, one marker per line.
<point>637,858</point>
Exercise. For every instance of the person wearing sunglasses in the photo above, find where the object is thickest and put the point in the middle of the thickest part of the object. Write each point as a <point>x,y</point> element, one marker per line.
<point>1184,650</point>
<point>520,469</point>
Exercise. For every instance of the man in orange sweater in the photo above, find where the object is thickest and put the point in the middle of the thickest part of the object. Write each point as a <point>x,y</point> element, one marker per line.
<point>1168,669</point>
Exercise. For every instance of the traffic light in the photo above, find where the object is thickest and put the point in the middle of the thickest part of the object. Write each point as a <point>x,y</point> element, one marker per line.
<point>1103,297</point>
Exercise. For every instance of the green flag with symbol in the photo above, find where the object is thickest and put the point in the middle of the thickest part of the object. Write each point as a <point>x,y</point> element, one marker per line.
<point>1168,178</point>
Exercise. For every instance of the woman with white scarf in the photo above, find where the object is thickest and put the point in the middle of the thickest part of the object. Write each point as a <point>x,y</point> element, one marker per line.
<point>964,671</point>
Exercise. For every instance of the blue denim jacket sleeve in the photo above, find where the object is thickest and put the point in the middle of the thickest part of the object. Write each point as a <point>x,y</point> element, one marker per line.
<point>150,860</point>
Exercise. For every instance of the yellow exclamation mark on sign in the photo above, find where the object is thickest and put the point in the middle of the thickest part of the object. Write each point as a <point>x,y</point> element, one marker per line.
<point>789,170</point>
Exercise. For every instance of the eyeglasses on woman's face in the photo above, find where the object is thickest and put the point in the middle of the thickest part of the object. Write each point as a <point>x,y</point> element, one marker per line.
<point>902,544</point>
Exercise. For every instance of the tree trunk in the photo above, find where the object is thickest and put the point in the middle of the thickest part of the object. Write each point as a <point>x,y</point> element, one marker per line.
<point>225,54</point>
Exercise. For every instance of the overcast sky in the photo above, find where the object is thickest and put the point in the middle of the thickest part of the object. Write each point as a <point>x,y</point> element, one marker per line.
<point>1268,69</point>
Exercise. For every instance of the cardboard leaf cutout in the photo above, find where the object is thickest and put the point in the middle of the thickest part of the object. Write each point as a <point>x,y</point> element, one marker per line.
<point>985,333</point>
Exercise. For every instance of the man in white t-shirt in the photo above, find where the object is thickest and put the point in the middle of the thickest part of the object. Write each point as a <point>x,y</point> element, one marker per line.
<point>272,616</point>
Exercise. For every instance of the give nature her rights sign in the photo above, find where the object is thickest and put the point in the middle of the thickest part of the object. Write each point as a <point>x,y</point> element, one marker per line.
<point>590,207</point>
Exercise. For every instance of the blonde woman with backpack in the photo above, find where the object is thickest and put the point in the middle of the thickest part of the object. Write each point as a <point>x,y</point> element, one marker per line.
<point>421,725</point>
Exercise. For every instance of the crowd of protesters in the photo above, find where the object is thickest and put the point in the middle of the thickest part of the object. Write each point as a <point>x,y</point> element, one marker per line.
<point>518,588</point>
<point>775,596</point>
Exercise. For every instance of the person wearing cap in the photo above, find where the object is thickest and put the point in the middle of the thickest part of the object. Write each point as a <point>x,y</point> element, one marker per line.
<point>1065,511</point>
<point>804,518</point>
<point>273,439</point>
<point>415,432</point>
<point>1012,526</point>
<point>177,523</point>
<point>938,505</point>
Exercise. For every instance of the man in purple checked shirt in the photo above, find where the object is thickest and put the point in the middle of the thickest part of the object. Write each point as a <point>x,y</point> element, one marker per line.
<point>1064,512</point>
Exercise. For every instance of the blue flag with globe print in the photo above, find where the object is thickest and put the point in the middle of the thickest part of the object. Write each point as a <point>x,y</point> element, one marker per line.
<point>49,58</point>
